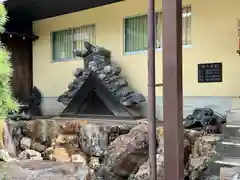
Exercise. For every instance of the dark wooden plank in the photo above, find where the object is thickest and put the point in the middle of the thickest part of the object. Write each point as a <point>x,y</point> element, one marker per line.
<point>21,59</point>
<point>172,90</point>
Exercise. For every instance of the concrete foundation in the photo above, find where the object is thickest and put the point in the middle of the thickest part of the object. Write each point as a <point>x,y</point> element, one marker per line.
<point>220,104</point>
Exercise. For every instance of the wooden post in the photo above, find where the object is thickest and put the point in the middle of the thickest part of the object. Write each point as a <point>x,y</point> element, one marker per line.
<point>172,90</point>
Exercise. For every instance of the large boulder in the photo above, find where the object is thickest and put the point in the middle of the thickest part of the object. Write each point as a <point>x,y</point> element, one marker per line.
<point>8,142</point>
<point>93,139</point>
<point>202,152</point>
<point>125,155</point>
<point>46,131</point>
<point>103,174</point>
<point>144,171</point>
<point>16,134</point>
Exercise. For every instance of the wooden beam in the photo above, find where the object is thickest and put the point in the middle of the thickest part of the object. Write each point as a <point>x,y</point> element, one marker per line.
<point>24,36</point>
<point>172,90</point>
<point>17,3</point>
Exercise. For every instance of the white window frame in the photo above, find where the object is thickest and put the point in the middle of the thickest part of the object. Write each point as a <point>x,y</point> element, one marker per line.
<point>157,49</point>
<point>73,41</point>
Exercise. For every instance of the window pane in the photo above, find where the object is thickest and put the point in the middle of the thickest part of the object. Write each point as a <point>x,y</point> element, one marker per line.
<point>62,44</point>
<point>238,28</point>
<point>136,33</point>
<point>186,22</point>
<point>86,33</point>
<point>136,38</point>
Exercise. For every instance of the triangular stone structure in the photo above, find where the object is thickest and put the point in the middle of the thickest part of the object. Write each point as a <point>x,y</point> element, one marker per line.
<point>93,99</point>
<point>99,90</point>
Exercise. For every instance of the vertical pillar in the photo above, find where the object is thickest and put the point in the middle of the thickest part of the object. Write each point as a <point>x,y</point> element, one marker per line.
<point>151,89</point>
<point>172,90</point>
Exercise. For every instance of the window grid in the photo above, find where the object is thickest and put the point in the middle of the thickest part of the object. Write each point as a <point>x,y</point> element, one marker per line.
<point>238,32</point>
<point>186,22</point>
<point>136,31</point>
<point>238,28</point>
<point>159,23</point>
<point>65,41</point>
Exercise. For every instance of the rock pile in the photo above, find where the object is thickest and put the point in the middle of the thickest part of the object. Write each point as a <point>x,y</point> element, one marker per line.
<point>116,152</point>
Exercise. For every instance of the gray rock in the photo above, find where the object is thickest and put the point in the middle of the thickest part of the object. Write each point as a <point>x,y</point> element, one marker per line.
<point>201,155</point>
<point>192,135</point>
<point>46,131</point>
<point>43,170</point>
<point>16,133</point>
<point>160,140</point>
<point>93,139</point>
<point>38,147</point>
<point>125,128</point>
<point>48,154</point>
<point>28,128</point>
<point>81,158</point>
<point>4,156</point>
<point>105,174</point>
<point>94,162</point>
<point>30,154</point>
<point>236,176</point>
<point>144,172</point>
<point>9,144</point>
<point>25,143</point>
<point>125,155</point>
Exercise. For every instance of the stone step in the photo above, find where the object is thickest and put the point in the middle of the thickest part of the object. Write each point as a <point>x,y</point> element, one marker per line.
<point>231,130</point>
<point>217,162</point>
<point>229,147</point>
<point>226,161</point>
<point>231,173</point>
<point>213,168</point>
<point>233,116</point>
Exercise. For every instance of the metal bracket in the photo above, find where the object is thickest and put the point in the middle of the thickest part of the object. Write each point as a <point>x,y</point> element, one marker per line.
<point>238,51</point>
<point>159,85</point>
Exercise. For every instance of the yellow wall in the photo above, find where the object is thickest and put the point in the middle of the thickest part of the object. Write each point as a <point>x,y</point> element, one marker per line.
<point>214,39</point>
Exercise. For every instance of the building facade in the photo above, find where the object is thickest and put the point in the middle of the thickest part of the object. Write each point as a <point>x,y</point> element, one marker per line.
<point>209,35</point>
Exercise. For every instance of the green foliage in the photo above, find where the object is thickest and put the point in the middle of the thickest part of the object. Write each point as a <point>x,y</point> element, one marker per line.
<point>7,102</point>
<point>3,17</point>
<point>4,177</point>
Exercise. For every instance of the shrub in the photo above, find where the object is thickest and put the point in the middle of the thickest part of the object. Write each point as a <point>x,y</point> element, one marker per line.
<point>7,102</point>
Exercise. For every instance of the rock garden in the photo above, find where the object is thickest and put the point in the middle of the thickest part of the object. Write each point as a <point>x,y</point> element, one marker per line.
<point>75,149</point>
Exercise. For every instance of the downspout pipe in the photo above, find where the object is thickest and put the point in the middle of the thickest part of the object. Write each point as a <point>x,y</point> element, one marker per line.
<point>151,90</point>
